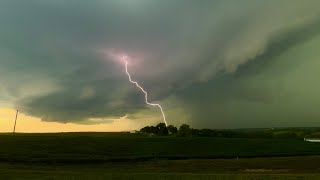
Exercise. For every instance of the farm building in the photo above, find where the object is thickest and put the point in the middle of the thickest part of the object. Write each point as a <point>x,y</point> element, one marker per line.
<point>311,139</point>
<point>134,131</point>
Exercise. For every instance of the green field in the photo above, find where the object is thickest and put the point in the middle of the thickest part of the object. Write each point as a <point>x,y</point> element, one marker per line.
<point>122,156</point>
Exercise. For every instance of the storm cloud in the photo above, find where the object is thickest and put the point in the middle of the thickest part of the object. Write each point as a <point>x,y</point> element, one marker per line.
<point>210,63</point>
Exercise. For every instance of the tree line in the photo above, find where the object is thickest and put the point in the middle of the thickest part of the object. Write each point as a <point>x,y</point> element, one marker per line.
<point>186,131</point>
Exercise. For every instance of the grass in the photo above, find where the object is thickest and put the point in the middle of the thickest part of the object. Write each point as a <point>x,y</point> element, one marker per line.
<point>133,156</point>
<point>102,147</point>
<point>248,168</point>
<point>146,176</point>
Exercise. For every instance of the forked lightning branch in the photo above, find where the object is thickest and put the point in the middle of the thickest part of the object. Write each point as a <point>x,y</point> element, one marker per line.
<point>145,92</point>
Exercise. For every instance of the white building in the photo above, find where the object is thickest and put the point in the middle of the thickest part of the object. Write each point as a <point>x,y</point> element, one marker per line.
<point>311,140</point>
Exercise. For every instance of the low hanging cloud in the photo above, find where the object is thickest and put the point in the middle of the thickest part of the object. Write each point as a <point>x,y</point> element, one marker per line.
<point>189,54</point>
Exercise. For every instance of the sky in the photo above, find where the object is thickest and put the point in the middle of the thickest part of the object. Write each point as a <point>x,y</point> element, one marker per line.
<point>209,63</point>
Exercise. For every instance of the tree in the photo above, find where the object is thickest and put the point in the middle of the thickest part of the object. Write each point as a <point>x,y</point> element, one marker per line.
<point>162,129</point>
<point>208,133</point>
<point>184,130</point>
<point>161,125</point>
<point>195,132</point>
<point>172,129</point>
<point>146,130</point>
<point>154,130</point>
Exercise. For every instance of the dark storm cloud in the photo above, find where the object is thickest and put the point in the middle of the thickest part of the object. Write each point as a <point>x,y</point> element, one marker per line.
<point>188,54</point>
<point>246,98</point>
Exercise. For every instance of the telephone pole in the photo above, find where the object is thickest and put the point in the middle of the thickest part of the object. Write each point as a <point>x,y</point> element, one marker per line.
<point>15,122</point>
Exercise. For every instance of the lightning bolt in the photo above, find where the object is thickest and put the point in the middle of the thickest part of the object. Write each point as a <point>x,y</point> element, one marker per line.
<point>145,94</point>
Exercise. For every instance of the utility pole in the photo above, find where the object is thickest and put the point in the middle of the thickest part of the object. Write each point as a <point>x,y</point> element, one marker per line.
<point>15,122</point>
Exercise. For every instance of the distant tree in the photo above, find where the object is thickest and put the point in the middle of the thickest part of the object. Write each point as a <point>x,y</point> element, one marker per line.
<point>162,129</point>
<point>195,132</point>
<point>161,125</point>
<point>208,133</point>
<point>228,134</point>
<point>172,129</point>
<point>184,130</point>
<point>154,130</point>
<point>146,130</point>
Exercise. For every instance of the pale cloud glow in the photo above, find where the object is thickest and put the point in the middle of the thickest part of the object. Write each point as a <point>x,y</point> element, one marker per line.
<point>35,125</point>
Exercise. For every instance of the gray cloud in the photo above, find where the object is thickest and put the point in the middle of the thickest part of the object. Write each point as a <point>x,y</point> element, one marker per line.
<point>189,54</point>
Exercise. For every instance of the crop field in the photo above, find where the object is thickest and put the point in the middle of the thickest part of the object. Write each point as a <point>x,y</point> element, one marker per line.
<point>135,156</point>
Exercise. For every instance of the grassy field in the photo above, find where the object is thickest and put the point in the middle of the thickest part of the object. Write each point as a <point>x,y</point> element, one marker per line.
<point>133,156</point>
<point>102,147</point>
<point>247,168</point>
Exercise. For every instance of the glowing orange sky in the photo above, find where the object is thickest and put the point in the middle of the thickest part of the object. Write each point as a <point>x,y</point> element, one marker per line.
<point>31,124</point>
